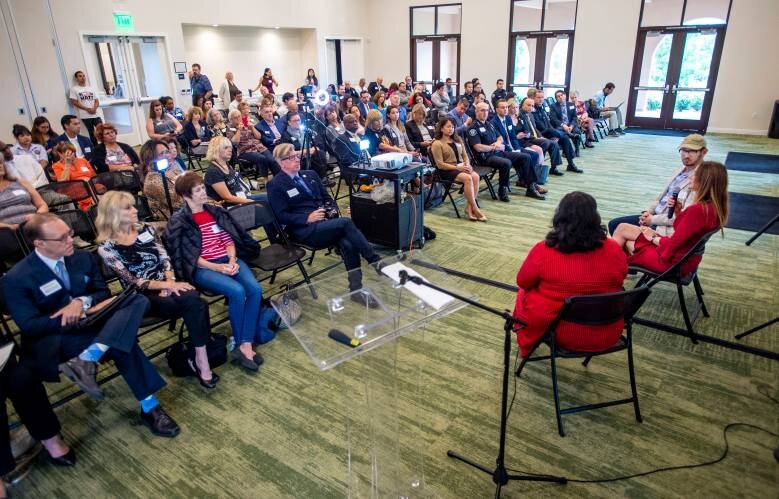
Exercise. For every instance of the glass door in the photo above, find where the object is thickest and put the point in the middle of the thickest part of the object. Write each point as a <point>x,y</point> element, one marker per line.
<point>128,73</point>
<point>436,58</point>
<point>673,78</point>
<point>541,60</point>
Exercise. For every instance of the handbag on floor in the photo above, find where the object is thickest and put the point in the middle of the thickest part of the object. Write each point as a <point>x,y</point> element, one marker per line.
<point>178,354</point>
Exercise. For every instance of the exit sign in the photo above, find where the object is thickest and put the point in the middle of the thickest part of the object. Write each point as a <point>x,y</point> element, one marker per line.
<point>123,21</point>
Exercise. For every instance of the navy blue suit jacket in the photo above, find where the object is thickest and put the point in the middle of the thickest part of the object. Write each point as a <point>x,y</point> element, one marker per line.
<point>83,142</point>
<point>542,119</point>
<point>348,152</point>
<point>31,297</point>
<point>507,131</point>
<point>292,205</point>
<point>266,134</point>
<point>556,116</point>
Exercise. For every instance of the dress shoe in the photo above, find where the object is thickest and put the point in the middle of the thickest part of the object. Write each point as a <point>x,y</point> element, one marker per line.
<point>240,359</point>
<point>258,359</point>
<point>554,171</point>
<point>588,144</point>
<point>364,299</point>
<point>540,189</point>
<point>532,193</point>
<point>210,383</point>
<point>82,373</point>
<point>68,459</point>
<point>160,423</point>
<point>613,133</point>
<point>574,168</point>
<point>503,195</point>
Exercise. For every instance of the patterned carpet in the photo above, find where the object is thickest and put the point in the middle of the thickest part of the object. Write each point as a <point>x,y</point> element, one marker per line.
<point>281,433</point>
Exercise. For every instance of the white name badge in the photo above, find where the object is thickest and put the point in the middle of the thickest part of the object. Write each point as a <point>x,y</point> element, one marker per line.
<point>216,229</point>
<point>19,192</point>
<point>87,149</point>
<point>292,192</point>
<point>511,127</point>
<point>50,287</point>
<point>111,158</point>
<point>145,237</point>
<point>85,169</point>
<point>241,194</point>
<point>267,132</point>
<point>482,129</point>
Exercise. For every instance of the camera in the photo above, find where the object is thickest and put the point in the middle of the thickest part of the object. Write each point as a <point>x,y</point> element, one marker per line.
<point>331,210</point>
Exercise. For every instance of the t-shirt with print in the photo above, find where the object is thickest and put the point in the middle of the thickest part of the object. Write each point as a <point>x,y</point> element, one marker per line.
<point>232,180</point>
<point>86,97</point>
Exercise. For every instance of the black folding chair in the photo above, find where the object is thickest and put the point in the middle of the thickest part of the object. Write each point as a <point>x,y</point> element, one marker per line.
<point>124,180</point>
<point>275,257</point>
<point>74,190</point>
<point>674,276</point>
<point>12,248</point>
<point>486,173</point>
<point>593,310</point>
<point>446,184</point>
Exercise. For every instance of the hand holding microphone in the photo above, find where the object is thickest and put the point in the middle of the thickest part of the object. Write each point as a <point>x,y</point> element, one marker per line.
<point>672,203</point>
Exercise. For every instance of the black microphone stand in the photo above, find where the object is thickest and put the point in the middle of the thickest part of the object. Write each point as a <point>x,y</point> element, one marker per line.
<point>166,188</point>
<point>500,475</point>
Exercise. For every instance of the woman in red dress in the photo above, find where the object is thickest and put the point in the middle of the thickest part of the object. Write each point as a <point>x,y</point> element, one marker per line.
<point>708,212</point>
<point>576,258</point>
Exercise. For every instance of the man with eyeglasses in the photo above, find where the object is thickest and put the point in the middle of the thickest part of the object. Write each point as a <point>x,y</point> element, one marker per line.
<point>676,192</point>
<point>50,291</point>
<point>302,204</point>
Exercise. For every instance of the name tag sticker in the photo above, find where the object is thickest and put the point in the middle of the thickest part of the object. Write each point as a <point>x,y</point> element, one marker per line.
<point>19,192</point>
<point>511,127</point>
<point>85,169</point>
<point>87,149</point>
<point>293,192</point>
<point>241,194</point>
<point>482,129</point>
<point>267,132</point>
<point>111,157</point>
<point>145,237</point>
<point>216,229</point>
<point>50,287</point>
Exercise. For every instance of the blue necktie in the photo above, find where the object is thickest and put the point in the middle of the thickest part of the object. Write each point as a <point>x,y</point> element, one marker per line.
<point>62,273</point>
<point>299,182</point>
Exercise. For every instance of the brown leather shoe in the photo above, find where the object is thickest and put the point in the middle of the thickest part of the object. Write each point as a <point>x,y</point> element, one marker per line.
<point>82,373</point>
<point>160,423</point>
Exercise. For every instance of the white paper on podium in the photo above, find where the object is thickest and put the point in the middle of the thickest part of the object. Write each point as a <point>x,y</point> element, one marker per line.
<point>433,298</point>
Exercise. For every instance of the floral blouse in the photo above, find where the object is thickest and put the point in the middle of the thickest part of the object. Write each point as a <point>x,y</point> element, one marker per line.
<point>139,263</point>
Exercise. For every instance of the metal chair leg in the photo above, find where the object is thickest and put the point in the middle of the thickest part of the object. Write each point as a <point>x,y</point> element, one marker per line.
<point>686,314</point>
<point>518,373</point>
<point>307,279</point>
<point>556,396</point>
<point>587,361</point>
<point>632,375</point>
<point>699,294</point>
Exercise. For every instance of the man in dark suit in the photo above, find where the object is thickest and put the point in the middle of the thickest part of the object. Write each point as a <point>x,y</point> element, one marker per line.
<point>269,128</point>
<point>347,145</point>
<point>364,104</point>
<point>295,134</point>
<point>302,204</point>
<point>49,291</point>
<point>505,128</point>
<point>544,124</point>
<point>563,117</point>
<point>375,86</point>
<point>529,133</point>
<point>72,127</point>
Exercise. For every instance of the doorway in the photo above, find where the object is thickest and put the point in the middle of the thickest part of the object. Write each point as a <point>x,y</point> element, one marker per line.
<point>128,72</point>
<point>344,61</point>
<point>674,74</point>
<point>541,60</point>
<point>435,59</point>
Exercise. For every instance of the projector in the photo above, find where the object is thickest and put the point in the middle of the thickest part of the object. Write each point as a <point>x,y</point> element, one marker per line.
<point>390,160</point>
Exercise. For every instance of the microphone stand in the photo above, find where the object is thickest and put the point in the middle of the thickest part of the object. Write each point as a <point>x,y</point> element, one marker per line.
<point>166,188</point>
<point>500,475</point>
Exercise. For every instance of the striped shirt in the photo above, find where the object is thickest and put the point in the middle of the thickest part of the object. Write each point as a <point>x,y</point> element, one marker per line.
<point>214,240</point>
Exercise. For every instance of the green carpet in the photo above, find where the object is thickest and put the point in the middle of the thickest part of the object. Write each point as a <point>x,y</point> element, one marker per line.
<point>281,433</point>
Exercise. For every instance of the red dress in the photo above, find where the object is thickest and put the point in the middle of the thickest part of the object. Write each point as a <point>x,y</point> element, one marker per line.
<point>547,277</point>
<point>690,225</point>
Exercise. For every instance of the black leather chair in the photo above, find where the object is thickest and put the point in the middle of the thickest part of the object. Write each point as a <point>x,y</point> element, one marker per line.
<point>593,310</point>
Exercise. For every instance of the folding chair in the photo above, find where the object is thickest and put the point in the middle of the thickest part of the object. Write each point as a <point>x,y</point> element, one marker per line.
<point>447,185</point>
<point>12,248</point>
<point>124,180</point>
<point>75,190</point>
<point>486,173</point>
<point>593,310</point>
<point>674,276</point>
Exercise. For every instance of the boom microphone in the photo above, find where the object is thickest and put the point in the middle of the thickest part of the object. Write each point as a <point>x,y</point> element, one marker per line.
<point>675,197</point>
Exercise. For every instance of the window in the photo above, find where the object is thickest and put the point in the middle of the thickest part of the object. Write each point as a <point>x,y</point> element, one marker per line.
<point>435,43</point>
<point>665,13</point>
<point>436,20</point>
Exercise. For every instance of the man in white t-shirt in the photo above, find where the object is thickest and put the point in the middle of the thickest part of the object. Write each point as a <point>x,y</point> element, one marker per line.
<point>23,166</point>
<point>84,99</point>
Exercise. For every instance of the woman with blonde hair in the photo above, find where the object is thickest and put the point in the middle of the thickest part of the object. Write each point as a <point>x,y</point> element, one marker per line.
<point>709,211</point>
<point>134,252</point>
<point>223,183</point>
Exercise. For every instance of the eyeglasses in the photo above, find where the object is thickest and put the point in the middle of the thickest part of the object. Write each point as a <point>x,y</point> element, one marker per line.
<point>61,239</point>
<point>291,157</point>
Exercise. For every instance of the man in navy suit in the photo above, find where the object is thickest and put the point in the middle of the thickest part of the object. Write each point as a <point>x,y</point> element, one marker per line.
<point>269,128</point>
<point>563,117</point>
<point>529,133</point>
<point>298,199</point>
<point>544,124</point>
<point>49,291</point>
<point>72,127</point>
<point>364,104</point>
<point>347,145</point>
<point>505,128</point>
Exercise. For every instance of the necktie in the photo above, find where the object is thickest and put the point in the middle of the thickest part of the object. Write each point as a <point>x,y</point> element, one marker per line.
<point>62,273</point>
<point>508,137</point>
<point>532,128</point>
<point>299,182</point>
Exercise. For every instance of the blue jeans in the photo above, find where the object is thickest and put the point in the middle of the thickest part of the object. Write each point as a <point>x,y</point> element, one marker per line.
<point>243,294</point>
<point>629,219</point>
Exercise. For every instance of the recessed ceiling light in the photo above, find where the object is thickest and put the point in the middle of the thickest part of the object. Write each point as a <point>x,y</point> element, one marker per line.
<point>276,27</point>
<point>215,25</point>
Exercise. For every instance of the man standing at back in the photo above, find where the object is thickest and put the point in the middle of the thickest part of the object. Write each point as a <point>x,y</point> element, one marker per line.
<point>84,99</point>
<point>677,191</point>
<point>200,84</point>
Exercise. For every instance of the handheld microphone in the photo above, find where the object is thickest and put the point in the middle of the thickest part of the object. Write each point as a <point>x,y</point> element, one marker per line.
<point>675,196</point>
<point>341,337</point>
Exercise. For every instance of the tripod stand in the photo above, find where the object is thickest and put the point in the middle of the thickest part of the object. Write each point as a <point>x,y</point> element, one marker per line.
<point>763,229</point>
<point>500,475</point>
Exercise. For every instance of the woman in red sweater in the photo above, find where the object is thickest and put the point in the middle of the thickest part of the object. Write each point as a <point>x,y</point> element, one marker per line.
<point>708,212</point>
<point>576,258</point>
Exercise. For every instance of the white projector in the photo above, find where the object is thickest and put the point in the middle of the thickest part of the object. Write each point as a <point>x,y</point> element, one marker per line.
<point>390,160</point>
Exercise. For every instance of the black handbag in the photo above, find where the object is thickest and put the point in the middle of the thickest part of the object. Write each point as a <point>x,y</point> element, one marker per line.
<point>178,354</point>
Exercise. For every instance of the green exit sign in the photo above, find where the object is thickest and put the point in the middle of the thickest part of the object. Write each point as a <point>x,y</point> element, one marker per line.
<point>123,21</point>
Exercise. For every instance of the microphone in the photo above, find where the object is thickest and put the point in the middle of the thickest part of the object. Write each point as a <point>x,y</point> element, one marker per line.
<point>675,196</point>
<point>341,337</point>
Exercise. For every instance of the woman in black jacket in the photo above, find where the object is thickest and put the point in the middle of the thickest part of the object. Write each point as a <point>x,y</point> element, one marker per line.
<point>196,132</point>
<point>207,248</point>
<point>418,133</point>
<point>110,155</point>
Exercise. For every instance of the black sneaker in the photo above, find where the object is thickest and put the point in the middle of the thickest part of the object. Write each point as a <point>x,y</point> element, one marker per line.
<point>532,193</point>
<point>160,423</point>
<point>574,168</point>
<point>503,194</point>
<point>554,171</point>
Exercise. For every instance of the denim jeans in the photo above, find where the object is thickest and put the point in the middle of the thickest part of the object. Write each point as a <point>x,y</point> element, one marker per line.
<point>243,294</point>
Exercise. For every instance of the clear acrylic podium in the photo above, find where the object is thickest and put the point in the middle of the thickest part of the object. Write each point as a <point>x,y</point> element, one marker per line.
<point>383,403</point>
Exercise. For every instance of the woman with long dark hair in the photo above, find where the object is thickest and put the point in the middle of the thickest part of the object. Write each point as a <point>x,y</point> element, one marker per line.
<point>311,79</point>
<point>41,131</point>
<point>576,258</point>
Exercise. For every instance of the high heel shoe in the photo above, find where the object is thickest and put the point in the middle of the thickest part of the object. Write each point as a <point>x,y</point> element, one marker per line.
<point>205,383</point>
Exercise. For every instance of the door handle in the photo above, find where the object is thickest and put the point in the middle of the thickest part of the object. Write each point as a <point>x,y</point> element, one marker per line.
<point>673,88</point>
<point>666,88</point>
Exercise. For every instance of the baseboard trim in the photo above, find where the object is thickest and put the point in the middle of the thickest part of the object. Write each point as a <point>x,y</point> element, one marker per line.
<point>737,131</point>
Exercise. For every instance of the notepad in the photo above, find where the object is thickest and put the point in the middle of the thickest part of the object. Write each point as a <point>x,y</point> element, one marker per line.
<point>432,297</point>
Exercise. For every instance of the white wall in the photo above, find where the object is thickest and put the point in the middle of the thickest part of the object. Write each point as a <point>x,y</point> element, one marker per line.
<point>246,51</point>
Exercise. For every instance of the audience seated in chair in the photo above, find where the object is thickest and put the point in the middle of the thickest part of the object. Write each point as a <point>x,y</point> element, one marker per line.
<point>294,135</point>
<point>82,145</point>
<point>49,322</point>
<point>69,167</point>
<point>223,183</point>
<point>269,127</point>
<point>505,127</point>
<point>299,199</point>
<point>523,140</point>
<point>692,151</point>
<point>419,134</point>
<point>110,155</point>
<point>460,117</point>
<point>380,101</point>
<point>152,152</point>
<point>451,161</point>
<point>133,251</point>
<point>614,115</point>
<point>26,147</point>
<point>19,200</point>
<point>585,121</point>
<point>161,125</point>
<point>395,131</point>
<point>440,98</point>
<point>173,153</point>
<point>249,146</point>
<point>544,124</point>
<point>171,108</point>
<point>42,132</point>
<point>208,249</point>
<point>394,101</point>
<point>355,111</point>
<point>529,132</point>
<point>563,118</point>
<point>23,166</point>
<point>709,211</point>
<point>196,133</point>
<point>347,145</point>
<point>576,258</point>
<point>377,86</point>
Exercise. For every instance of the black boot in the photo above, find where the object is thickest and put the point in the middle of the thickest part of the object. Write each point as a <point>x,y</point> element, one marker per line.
<point>503,194</point>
